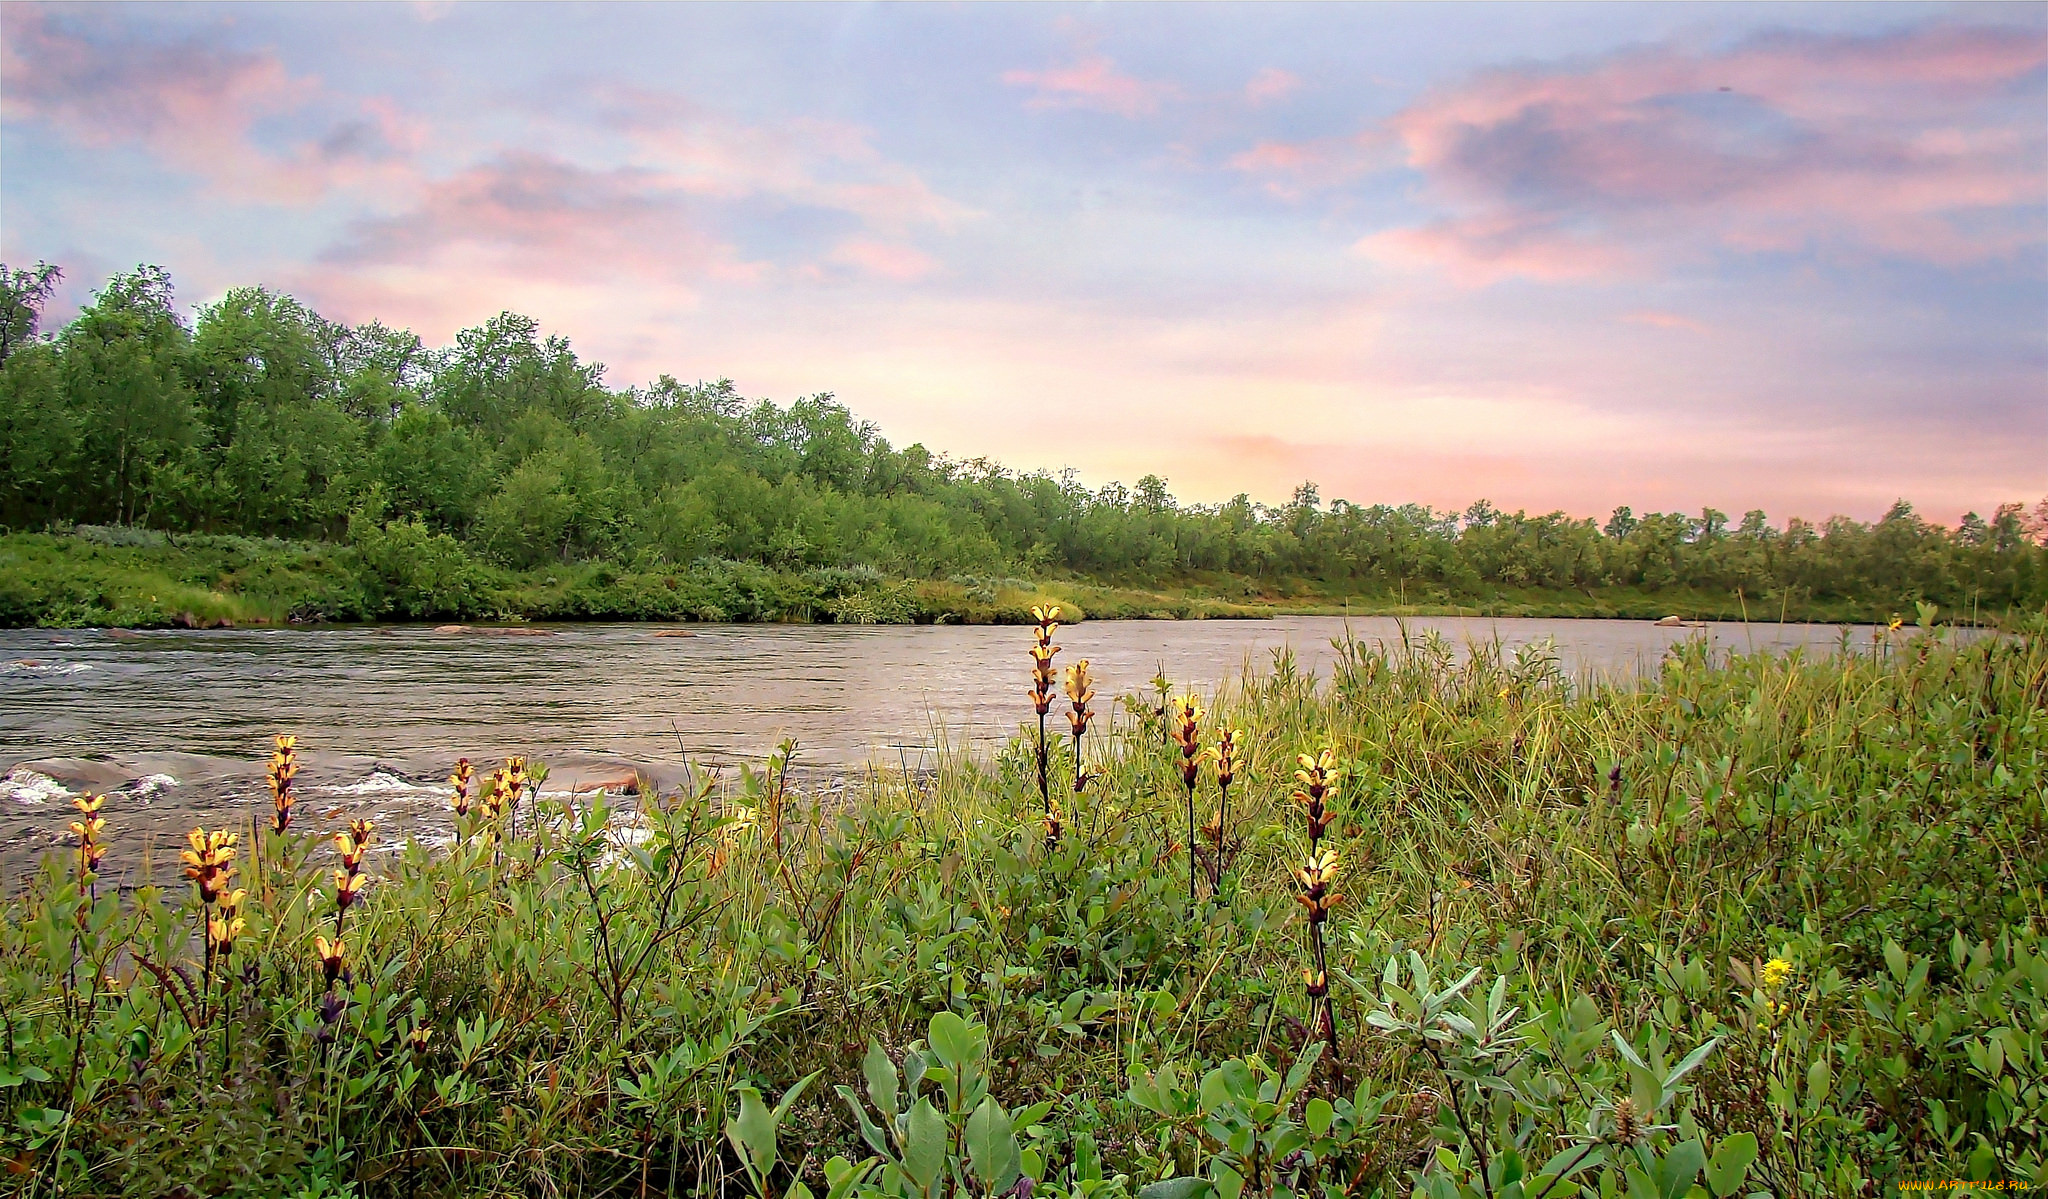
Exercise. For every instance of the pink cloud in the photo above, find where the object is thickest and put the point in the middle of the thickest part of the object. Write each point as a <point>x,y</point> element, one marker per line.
<point>900,263</point>
<point>1665,320</point>
<point>822,163</point>
<point>550,219</point>
<point>1924,145</point>
<point>195,106</point>
<point>1269,85</point>
<point>1092,81</point>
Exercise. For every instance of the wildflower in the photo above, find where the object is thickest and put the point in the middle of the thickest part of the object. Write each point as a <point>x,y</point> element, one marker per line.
<point>354,843</point>
<point>1316,877</point>
<point>1187,733</point>
<point>221,932</point>
<point>459,779</point>
<point>223,928</point>
<point>1316,983</point>
<point>347,886</point>
<point>1227,743</point>
<point>333,957</point>
<point>91,848</point>
<point>1186,730</point>
<point>1318,777</point>
<point>497,793</point>
<point>417,1039</point>
<point>1080,689</point>
<point>1775,972</point>
<point>332,1007</point>
<point>283,768</point>
<point>1042,651</point>
<point>209,863</point>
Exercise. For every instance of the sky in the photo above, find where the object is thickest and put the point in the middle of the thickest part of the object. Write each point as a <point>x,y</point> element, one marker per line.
<point>1789,257</point>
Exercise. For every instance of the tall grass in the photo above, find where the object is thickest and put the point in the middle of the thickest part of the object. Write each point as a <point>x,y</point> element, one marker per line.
<point>1753,924</point>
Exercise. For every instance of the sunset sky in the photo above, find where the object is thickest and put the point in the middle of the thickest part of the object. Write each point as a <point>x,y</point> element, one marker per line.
<point>1780,256</point>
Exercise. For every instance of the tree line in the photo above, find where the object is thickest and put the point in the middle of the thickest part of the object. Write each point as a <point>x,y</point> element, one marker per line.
<point>263,418</point>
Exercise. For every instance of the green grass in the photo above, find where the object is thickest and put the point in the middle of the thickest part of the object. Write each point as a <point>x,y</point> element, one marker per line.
<point>606,1014</point>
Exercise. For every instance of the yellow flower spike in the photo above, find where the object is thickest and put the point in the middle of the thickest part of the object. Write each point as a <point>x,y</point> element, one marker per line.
<point>1079,688</point>
<point>1775,972</point>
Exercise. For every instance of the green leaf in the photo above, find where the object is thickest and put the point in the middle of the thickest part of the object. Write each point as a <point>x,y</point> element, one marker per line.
<point>1682,1163</point>
<point>1567,1163</point>
<point>881,1075</point>
<point>1731,1161</point>
<point>1319,1115</point>
<point>1188,1186</point>
<point>952,1039</point>
<point>1818,1082</point>
<point>992,1145</point>
<point>752,1132</point>
<point>924,1145</point>
<point>868,1131</point>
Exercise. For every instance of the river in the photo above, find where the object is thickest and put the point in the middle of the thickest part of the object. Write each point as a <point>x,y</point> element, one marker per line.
<point>177,724</point>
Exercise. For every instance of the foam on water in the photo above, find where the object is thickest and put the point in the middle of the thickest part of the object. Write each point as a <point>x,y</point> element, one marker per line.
<point>380,782</point>
<point>23,785</point>
<point>35,667</point>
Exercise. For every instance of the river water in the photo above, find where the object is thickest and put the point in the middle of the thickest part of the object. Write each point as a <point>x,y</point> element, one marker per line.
<point>177,724</point>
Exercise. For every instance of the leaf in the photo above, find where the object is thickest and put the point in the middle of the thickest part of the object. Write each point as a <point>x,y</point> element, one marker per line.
<point>868,1131</point>
<point>952,1039</point>
<point>924,1145</point>
<point>752,1132</point>
<point>1682,1163</point>
<point>1318,1116</point>
<point>1300,1071</point>
<point>992,1145</point>
<point>794,1093</point>
<point>1691,1063</point>
<point>1567,1163</point>
<point>1187,1186</point>
<point>881,1076</point>
<point>1731,1161</point>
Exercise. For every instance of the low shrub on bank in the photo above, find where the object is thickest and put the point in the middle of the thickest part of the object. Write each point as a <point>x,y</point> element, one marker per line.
<point>1439,927</point>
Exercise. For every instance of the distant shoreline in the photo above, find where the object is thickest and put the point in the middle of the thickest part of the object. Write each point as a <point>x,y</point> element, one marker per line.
<point>53,581</point>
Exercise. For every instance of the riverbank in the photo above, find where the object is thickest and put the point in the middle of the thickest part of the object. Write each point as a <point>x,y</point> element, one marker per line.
<point>137,579</point>
<point>1724,928</point>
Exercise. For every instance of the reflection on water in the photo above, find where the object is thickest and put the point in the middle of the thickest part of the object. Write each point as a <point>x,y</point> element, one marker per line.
<point>182,720</point>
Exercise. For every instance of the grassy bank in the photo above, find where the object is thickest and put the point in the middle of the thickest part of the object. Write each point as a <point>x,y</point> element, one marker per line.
<point>1768,925</point>
<point>132,578</point>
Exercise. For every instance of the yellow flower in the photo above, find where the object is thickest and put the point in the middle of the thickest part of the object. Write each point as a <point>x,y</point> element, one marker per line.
<point>333,956</point>
<point>1776,971</point>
